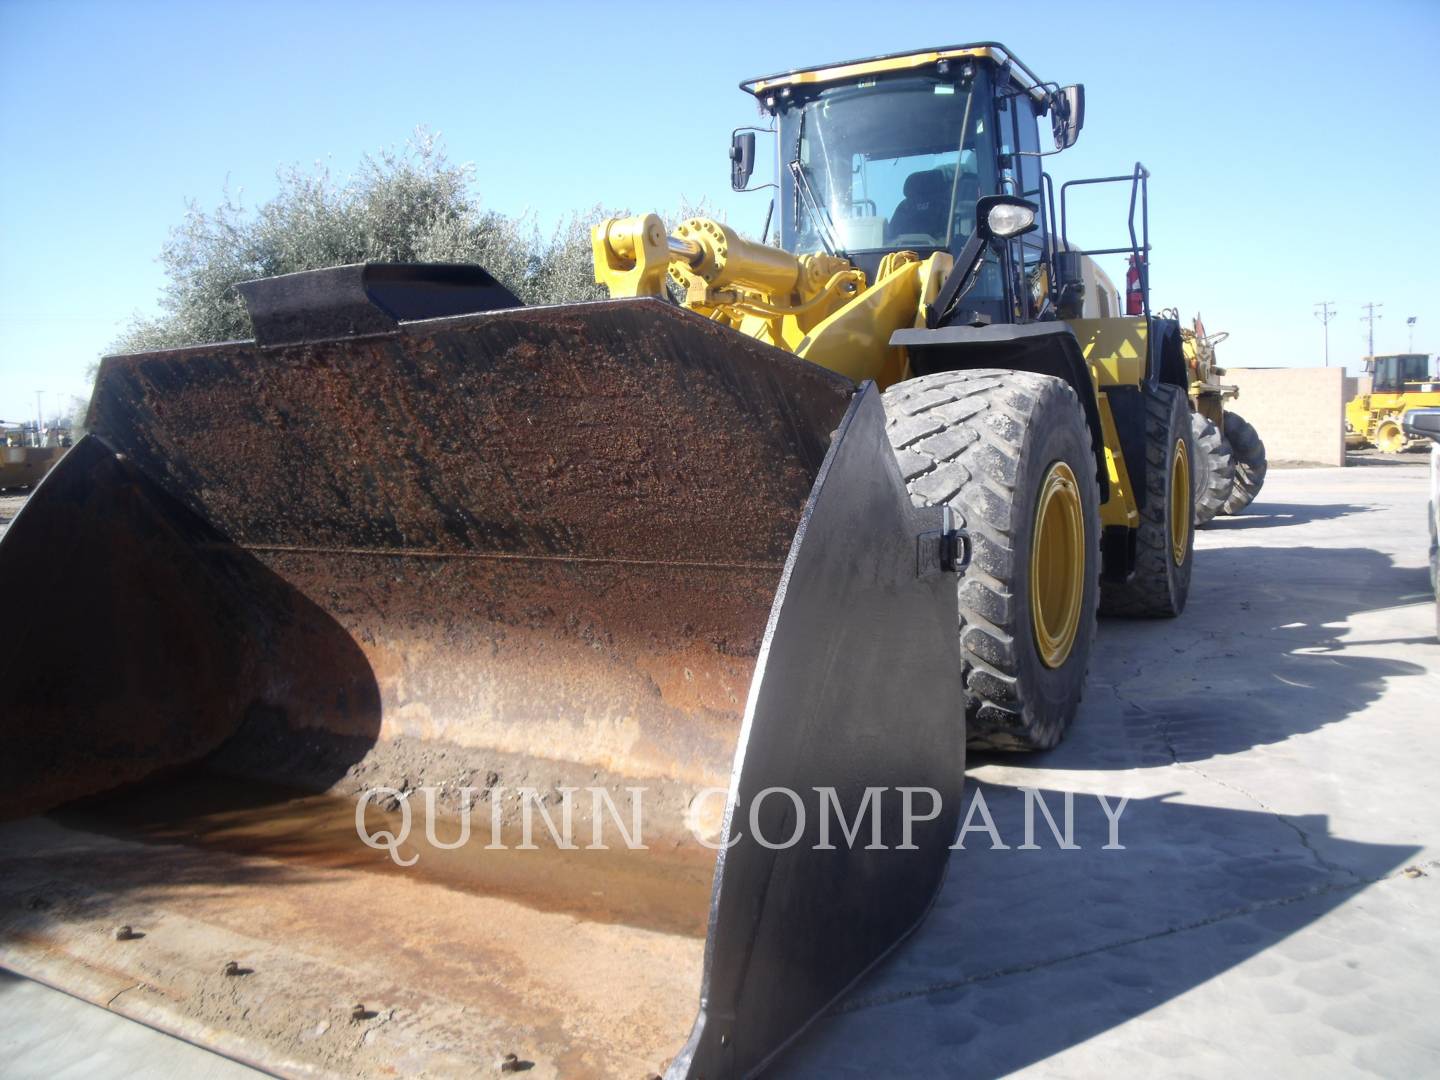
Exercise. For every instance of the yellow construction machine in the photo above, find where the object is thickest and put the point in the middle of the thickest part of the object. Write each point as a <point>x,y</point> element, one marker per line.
<point>1398,384</point>
<point>852,501</point>
<point>1230,462</point>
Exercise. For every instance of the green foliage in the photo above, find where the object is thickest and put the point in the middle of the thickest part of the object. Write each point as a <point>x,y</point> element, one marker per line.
<point>407,205</point>
<point>563,270</point>
<point>411,205</point>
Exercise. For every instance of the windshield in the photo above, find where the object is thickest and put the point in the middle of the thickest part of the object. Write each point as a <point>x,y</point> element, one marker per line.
<point>1391,373</point>
<point>881,165</point>
<point>1414,368</point>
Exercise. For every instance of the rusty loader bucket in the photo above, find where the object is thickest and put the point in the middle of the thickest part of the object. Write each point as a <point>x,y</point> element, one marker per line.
<point>417,540</point>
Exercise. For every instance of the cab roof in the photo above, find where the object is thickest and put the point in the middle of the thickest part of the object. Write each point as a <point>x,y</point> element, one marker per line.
<point>849,70</point>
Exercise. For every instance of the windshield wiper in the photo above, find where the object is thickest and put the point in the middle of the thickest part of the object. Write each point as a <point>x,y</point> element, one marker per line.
<point>824,226</point>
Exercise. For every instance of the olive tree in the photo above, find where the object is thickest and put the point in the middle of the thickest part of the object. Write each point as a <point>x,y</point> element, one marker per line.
<point>407,205</point>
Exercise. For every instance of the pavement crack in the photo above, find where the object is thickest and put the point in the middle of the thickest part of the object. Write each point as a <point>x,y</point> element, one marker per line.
<point>1163,726</point>
<point>1334,867</point>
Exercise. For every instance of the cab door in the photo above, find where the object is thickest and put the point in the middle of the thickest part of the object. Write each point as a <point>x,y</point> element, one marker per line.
<point>1028,281</point>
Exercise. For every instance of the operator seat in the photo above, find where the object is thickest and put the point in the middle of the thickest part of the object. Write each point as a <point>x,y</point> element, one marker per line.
<point>922,211</point>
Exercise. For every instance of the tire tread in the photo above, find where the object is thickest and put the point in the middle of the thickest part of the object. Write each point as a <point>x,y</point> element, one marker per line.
<point>960,437</point>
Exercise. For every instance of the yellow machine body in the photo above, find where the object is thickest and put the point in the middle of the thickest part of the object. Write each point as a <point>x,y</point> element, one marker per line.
<point>822,308</point>
<point>1208,391</point>
<point>1373,418</point>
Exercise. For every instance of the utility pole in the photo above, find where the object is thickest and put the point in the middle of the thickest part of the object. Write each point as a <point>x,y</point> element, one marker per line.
<point>1410,323</point>
<point>1369,318</point>
<point>39,415</point>
<point>1325,311</point>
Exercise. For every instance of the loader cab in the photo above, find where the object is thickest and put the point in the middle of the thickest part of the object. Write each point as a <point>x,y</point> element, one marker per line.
<point>1392,373</point>
<point>892,154</point>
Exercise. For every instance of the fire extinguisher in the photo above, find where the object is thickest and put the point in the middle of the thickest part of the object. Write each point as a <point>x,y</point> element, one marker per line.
<point>1134,294</point>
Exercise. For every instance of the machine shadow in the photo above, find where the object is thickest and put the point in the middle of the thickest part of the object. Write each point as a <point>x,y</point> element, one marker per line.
<point>1265,653</point>
<point>1092,938</point>
<point>1265,658</point>
<point>1264,515</point>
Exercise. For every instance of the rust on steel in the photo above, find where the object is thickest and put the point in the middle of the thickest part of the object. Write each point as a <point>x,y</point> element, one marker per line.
<point>552,534</point>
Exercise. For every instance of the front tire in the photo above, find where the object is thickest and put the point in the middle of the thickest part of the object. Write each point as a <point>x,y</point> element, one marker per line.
<point>1165,541</point>
<point>1010,453</point>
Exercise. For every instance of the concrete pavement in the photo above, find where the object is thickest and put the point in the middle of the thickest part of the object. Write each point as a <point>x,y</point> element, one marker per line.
<point>47,1035</point>
<point>1268,905</point>
<point>1274,908</point>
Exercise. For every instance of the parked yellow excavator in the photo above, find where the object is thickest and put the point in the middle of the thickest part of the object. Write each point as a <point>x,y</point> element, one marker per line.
<point>774,523</point>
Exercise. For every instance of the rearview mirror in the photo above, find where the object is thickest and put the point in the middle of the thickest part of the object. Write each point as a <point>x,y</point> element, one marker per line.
<point>742,159</point>
<point>1067,115</point>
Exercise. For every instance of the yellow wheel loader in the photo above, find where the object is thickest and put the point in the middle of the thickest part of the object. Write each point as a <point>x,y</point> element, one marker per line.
<point>739,573</point>
<point>1229,453</point>
<point>1398,384</point>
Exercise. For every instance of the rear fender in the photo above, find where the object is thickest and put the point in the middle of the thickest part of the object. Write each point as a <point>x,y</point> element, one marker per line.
<point>1167,355</point>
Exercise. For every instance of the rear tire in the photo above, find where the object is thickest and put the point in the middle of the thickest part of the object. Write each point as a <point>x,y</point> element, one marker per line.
<point>1214,468</point>
<point>989,444</point>
<point>1165,541</point>
<point>1250,464</point>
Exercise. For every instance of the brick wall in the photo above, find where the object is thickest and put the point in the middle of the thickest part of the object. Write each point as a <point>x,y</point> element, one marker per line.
<point>1299,412</point>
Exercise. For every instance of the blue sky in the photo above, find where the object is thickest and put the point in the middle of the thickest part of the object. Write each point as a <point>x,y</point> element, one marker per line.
<point>1292,145</point>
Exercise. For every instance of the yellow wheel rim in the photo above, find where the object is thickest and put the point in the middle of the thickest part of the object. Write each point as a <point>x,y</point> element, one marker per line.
<point>1390,439</point>
<point>1057,565</point>
<point>1179,503</point>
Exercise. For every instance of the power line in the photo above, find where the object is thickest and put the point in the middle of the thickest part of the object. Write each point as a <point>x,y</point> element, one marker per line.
<point>1325,311</point>
<point>1369,318</point>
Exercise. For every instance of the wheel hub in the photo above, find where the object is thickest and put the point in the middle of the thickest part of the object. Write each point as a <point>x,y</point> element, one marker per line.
<point>1390,439</point>
<point>1057,565</point>
<point>1179,502</point>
